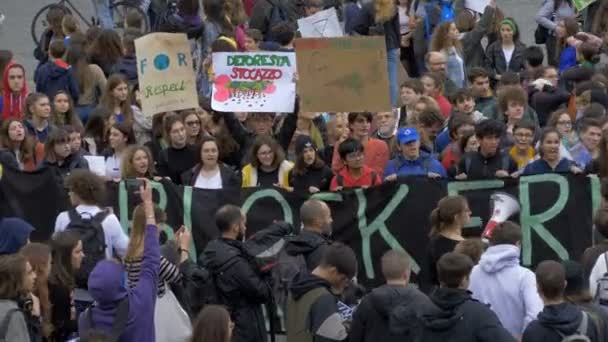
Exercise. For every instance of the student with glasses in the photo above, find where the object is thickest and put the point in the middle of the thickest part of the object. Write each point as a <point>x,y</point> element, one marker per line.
<point>354,173</point>
<point>194,128</point>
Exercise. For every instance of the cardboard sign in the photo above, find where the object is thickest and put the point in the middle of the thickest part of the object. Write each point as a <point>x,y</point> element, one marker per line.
<point>322,24</point>
<point>582,4</point>
<point>343,74</point>
<point>478,6</point>
<point>166,74</point>
<point>254,82</point>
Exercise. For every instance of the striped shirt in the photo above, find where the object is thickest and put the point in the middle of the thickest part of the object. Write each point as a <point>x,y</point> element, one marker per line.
<point>169,273</point>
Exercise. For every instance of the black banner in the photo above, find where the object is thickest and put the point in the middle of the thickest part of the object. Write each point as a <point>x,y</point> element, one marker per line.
<point>556,212</point>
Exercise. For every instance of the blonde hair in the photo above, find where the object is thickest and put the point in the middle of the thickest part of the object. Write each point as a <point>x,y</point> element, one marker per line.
<point>441,40</point>
<point>384,10</point>
<point>69,25</point>
<point>127,169</point>
<point>136,236</point>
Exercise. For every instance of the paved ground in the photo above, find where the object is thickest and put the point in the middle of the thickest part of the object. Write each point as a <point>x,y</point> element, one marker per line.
<point>15,32</point>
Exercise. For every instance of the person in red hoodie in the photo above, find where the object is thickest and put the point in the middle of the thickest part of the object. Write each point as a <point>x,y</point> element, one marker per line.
<point>433,86</point>
<point>14,91</point>
<point>355,174</point>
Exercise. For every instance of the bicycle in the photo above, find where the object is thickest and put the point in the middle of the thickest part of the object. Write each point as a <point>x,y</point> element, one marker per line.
<point>118,8</point>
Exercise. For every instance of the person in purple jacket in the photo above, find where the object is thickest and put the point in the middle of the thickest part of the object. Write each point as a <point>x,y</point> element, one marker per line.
<point>108,286</point>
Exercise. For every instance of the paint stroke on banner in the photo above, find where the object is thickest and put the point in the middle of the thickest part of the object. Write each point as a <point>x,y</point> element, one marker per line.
<point>323,24</point>
<point>166,73</point>
<point>582,4</point>
<point>254,82</point>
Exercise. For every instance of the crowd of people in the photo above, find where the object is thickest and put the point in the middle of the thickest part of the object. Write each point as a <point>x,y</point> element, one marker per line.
<point>477,104</point>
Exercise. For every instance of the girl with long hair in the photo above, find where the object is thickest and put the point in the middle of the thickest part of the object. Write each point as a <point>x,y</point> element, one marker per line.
<point>213,324</point>
<point>565,54</point>
<point>194,126</point>
<point>268,166</point>
<point>137,162</point>
<point>18,279</point>
<point>37,115</point>
<point>447,220</point>
<point>95,132</point>
<point>548,17</point>
<point>507,53</point>
<point>550,159</point>
<point>561,120</point>
<point>178,157</point>
<point>446,39</point>
<point>39,257</point>
<point>90,78</point>
<point>19,150</point>
<point>120,137</point>
<point>599,165</point>
<point>58,154</point>
<point>211,173</point>
<point>63,111</point>
<point>309,174</point>
<point>106,50</point>
<point>67,257</point>
<point>116,99</point>
<point>231,154</point>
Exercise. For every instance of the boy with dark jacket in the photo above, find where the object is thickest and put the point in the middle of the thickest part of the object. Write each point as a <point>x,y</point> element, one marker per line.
<point>384,305</point>
<point>558,319</point>
<point>56,74</point>
<point>458,316</point>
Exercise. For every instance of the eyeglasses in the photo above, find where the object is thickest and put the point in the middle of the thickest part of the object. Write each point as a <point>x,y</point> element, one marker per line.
<point>523,135</point>
<point>265,153</point>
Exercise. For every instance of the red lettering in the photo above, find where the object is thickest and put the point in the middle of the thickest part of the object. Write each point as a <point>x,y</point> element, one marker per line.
<point>256,74</point>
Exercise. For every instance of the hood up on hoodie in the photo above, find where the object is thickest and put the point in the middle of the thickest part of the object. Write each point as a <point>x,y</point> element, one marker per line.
<point>447,300</point>
<point>304,243</point>
<point>496,258</point>
<point>13,104</point>
<point>107,284</point>
<point>14,233</point>
<point>563,317</point>
<point>305,282</point>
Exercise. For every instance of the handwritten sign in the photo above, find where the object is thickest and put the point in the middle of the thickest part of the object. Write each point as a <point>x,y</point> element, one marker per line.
<point>582,4</point>
<point>478,6</point>
<point>254,82</point>
<point>322,24</point>
<point>342,74</point>
<point>166,74</point>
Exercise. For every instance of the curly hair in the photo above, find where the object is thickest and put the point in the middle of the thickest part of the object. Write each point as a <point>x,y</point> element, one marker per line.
<point>89,187</point>
<point>127,169</point>
<point>441,41</point>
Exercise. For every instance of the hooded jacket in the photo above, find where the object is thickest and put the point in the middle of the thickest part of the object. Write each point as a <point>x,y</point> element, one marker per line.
<point>317,177</point>
<point>311,245</point>
<point>378,311</point>
<point>460,318</point>
<point>312,311</point>
<point>127,66</point>
<point>72,162</point>
<point>108,286</point>
<point>14,233</point>
<point>563,318</point>
<point>12,104</point>
<point>510,289</point>
<point>240,287</point>
<point>56,75</point>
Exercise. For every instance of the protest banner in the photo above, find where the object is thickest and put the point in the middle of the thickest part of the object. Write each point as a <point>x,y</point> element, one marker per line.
<point>323,24</point>
<point>582,4</point>
<point>254,82</point>
<point>165,72</point>
<point>556,212</point>
<point>342,74</point>
<point>476,5</point>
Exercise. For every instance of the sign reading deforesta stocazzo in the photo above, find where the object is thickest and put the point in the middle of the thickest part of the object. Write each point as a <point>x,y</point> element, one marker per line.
<point>166,74</point>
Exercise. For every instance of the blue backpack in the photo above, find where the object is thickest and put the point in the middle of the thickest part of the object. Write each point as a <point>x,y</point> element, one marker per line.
<point>447,14</point>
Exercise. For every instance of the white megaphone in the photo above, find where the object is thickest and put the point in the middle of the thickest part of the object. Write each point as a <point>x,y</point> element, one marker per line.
<point>503,206</point>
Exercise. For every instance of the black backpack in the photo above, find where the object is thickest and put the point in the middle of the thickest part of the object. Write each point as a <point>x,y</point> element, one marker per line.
<point>91,233</point>
<point>118,326</point>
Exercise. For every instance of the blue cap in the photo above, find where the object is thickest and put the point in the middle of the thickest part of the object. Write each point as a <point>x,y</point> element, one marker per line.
<point>407,135</point>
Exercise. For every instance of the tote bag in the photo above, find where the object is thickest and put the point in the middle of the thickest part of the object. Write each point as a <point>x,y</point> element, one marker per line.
<point>171,322</point>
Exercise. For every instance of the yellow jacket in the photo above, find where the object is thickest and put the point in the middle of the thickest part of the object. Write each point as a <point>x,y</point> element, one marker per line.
<point>250,175</point>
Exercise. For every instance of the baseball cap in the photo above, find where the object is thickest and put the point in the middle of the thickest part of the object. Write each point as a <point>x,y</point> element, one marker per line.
<point>407,135</point>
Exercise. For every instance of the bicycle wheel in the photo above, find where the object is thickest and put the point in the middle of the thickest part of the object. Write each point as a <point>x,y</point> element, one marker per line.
<point>120,10</point>
<point>39,23</point>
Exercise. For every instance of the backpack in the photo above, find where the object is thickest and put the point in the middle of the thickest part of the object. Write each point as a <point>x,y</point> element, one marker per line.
<point>278,14</point>
<point>90,232</point>
<point>601,292</point>
<point>340,179</point>
<point>447,13</point>
<point>6,322</point>
<point>283,274</point>
<point>580,335</point>
<point>118,326</point>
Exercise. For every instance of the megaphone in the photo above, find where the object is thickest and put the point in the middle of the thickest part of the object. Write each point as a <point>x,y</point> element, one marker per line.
<point>503,207</point>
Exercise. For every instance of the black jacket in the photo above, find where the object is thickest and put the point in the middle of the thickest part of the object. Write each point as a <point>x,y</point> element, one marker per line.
<point>496,63</point>
<point>240,287</point>
<point>319,178</point>
<point>262,11</point>
<point>476,166</point>
<point>127,66</point>
<point>230,179</point>
<point>71,163</point>
<point>365,24</point>
<point>562,318</point>
<point>310,244</point>
<point>460,318</point>
<point>377,312</point>
<point>547,101</point>
<point>173,162</point>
